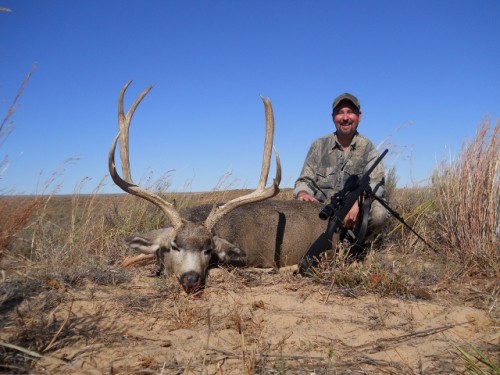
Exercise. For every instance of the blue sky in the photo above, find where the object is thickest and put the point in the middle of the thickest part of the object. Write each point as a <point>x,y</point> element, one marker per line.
<point>426,72</point>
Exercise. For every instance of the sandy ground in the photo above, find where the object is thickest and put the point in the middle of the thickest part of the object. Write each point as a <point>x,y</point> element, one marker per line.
<point>256,322</point>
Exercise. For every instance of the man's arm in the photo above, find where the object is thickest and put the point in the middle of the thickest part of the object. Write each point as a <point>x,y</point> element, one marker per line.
<point>304,186</point>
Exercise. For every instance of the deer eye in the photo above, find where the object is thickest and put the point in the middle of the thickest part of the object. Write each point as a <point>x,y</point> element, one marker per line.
<point>208,251</point>
<point>174,247</point>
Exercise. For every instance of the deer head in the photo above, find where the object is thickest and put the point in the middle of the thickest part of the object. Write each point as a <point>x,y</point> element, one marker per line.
<point>186,247</point>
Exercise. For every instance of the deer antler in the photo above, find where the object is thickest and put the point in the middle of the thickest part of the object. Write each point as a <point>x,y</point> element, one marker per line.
<point>261,193</point>
<point>124,125</point>
<point>127,184</point>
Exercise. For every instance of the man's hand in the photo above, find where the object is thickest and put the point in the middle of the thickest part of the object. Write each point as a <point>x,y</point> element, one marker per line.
<point>303,196</point>
<point>351,219</point>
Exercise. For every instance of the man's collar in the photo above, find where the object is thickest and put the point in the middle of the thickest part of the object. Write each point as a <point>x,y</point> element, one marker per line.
<point>352,145</point>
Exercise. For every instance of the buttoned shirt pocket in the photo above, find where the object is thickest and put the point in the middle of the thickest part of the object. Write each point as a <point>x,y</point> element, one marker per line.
<point>325,182</point>
<point>350,170</point>
<point>353,169</point>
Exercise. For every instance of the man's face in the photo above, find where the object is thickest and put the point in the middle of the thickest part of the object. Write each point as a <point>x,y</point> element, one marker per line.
<point>346,118</point>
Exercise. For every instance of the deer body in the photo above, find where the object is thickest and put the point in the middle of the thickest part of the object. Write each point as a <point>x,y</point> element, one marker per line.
<point>268,234</point>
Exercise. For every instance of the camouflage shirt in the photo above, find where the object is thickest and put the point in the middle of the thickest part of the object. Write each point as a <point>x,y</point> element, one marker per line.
<point>327,167</point>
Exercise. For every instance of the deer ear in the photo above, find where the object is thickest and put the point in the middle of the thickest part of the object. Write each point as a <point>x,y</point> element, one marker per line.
<point>143,244</point>
<point>229,253</point>
<point>149,242</point>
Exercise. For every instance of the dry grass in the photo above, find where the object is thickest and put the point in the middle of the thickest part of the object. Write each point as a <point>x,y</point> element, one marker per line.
<point>415,205</point>
<point>16,212</point>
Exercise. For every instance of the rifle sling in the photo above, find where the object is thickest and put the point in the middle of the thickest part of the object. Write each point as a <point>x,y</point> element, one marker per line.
<point>363,228</point>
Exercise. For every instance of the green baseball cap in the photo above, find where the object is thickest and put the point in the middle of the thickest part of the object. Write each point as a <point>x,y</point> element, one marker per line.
<point>349,97</point>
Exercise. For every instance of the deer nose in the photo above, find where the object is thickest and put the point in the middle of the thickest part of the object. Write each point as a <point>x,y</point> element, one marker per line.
<point>191,281</point>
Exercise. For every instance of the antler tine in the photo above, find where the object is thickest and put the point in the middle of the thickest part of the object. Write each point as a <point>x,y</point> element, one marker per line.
<point>126,184</point>
<point>261,192</point>
<point>124,125</point>
<point>268,141</point>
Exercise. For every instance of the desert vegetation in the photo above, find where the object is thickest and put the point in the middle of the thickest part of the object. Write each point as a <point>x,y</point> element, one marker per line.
<point>67,306</point>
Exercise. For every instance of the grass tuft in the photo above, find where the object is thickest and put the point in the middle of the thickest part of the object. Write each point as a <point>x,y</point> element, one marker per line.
<point>467,198</point>
<point>476,361</point>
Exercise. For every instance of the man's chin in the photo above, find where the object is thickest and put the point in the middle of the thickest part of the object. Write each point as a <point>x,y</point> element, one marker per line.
<point>346,130</point>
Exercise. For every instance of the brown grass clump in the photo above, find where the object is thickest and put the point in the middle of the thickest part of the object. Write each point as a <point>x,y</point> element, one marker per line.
<point>378,272</point>
<point>467,198</point>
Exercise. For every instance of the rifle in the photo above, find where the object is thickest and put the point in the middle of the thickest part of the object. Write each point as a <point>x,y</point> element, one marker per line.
<point>336,211</point>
